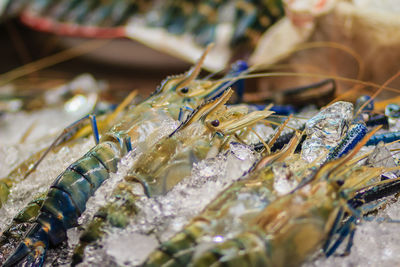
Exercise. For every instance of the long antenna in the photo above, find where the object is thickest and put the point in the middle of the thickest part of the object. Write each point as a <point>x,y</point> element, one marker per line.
<point>51,60</point>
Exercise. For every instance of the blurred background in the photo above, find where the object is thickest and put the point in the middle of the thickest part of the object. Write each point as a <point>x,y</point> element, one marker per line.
<point>146,41</point>
<point>123,63</point>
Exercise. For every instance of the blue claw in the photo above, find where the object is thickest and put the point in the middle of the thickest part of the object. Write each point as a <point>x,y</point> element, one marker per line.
<point>32,251</point>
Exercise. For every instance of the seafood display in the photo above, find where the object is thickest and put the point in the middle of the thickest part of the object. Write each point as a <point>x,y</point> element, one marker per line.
<point>323,190</point>
<point>208,169</point>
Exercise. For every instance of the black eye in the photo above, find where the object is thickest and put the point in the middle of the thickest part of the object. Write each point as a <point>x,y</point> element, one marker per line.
<point>339,182</point>
<point>215,123</point>
<point>184,90</point>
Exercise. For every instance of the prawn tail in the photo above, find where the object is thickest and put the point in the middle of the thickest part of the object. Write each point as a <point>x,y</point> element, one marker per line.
<point>32,251</point>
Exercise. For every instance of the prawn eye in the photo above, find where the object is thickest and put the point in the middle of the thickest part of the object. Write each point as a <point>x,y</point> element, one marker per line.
<point>215,123</point>
<point>340,182</point>
<point>184,90</point>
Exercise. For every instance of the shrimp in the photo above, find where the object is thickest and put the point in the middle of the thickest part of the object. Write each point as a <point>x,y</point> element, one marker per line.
<point>67,197</point>
<point>291,228</point>
<point>172,98</point>
<point>158,170</point>
<point>230,212</point>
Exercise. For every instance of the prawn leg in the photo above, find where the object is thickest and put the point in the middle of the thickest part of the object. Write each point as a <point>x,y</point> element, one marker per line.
<point>65,135</point>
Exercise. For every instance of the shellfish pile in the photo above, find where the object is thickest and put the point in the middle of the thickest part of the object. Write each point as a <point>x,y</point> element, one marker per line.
<point>202,171</point>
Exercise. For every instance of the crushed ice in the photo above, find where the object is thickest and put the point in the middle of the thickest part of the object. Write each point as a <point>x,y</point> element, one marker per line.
<point>161,217</point>
<point>330,123</point>
<point>40,180</point>
<point>283,183</point>
<point>326,129</point>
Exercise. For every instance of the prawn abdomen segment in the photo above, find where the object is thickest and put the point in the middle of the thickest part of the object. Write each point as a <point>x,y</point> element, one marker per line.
<point>65,202</point>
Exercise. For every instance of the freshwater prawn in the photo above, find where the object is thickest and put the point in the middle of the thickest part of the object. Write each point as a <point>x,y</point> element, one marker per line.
<point>293,226</point>
<point>67,197</point>
<point>173,99</point>
<point>228,214</point>
<point>204,134</point>
<point>251,224</point>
